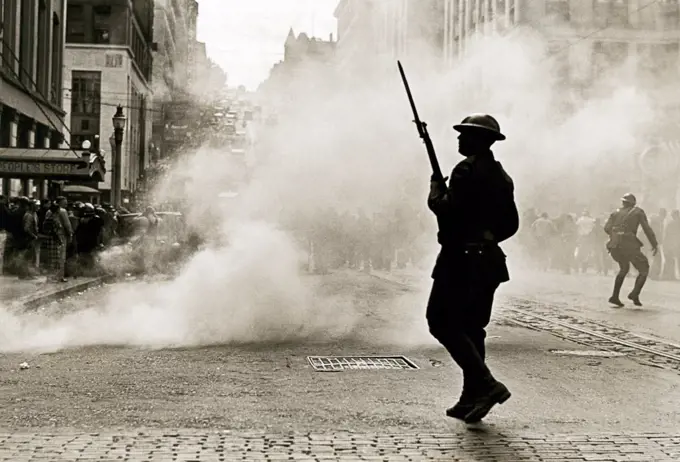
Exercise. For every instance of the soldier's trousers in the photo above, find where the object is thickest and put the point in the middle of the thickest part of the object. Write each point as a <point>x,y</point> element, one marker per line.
<point>457,316</point>
<point>625,257</point>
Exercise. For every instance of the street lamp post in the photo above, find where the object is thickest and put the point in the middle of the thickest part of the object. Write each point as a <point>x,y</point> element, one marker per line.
<point>118,128</point>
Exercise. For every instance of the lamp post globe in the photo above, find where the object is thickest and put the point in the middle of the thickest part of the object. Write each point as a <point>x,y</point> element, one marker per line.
<point>119,118</point>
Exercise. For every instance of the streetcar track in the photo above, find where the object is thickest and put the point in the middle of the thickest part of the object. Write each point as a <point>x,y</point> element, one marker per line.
<point>550,318</point>
<point>544,317</point>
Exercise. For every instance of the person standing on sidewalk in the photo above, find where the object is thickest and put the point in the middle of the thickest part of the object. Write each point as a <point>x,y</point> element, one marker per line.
<point>475,213</point>
<point>28,239</point>
<point>657,223</point>
<point>626,249</point>
<point>58,227</point>
<point>671,246</point>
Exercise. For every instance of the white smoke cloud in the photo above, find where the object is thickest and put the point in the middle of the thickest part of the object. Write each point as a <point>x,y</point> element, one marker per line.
<point>349,149</point>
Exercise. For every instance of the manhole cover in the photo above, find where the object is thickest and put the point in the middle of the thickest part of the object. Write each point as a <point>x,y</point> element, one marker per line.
<point>339,363</point>
<point>596,353</point>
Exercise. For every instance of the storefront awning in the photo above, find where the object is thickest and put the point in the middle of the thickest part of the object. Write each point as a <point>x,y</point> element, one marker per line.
<point>80,189</point>
<point>51,164</point>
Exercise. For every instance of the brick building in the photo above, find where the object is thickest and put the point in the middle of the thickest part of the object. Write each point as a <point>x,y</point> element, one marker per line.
<point>108,61</point>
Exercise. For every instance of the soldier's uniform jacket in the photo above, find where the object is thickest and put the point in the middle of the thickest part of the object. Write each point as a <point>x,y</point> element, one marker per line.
<point>622,228</point>
<point>475,213</point>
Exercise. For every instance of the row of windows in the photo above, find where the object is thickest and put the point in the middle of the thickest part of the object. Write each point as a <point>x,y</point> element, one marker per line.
<point>19,59</point>
<point>661,61</point>
<point>618,13</point>
<point>89,24</point>
<point>106,24</point>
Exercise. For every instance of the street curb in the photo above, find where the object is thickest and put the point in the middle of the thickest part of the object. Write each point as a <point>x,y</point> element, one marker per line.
<point>393,280</point>
<point>32,302</point>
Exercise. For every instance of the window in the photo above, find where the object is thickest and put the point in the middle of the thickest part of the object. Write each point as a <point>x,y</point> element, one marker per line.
<point>75,24</point>
<point>558,9</point>
<point>559,55</point>
<point>85,93</point>
<point>608,55</point>
<point>670,14</point>
<point>57,61</point>
<point>8,33</point>
<point>611,13</point>
<point>659,61</point>
<point>85,106</point>
<point>43,50</point>
<point>101,23</point>
<point>26,42</point>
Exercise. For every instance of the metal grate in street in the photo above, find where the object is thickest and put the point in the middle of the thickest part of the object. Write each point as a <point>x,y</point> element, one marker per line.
<point>340,363</point>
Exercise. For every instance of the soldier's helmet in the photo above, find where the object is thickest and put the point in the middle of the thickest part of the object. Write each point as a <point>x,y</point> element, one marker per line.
<point>481,122</point>
<point>629,199</point>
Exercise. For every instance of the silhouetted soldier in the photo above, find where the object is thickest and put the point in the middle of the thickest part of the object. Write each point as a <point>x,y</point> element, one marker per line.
<point>625,247</point>
<point>475,213</point>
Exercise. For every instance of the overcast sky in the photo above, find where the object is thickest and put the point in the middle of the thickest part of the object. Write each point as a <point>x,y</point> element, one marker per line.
<point>245,37</point>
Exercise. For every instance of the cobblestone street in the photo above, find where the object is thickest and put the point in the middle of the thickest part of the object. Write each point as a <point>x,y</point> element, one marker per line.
<point>468,446</point>
<point>265,402</point>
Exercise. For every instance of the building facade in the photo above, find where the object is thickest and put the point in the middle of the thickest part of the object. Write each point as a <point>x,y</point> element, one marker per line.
<point>307,62</point>
<point>108,62</point>
<point>170,68</point>
<point>31,96</point>
<point>372,34</point>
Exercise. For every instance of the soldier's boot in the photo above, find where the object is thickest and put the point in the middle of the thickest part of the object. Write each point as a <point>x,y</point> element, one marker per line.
<point>492,393</point>
<point>634,296</point>
<point>618,283</point>
<point>465,403</point>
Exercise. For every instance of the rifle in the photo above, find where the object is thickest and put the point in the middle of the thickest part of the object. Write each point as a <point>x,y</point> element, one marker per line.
<point>422,130</point>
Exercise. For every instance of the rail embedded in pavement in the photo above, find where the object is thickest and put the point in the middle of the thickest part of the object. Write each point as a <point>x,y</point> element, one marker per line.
<point>545,317</point>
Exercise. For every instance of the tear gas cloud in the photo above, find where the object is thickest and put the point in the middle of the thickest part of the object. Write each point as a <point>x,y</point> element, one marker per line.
<point>349,145</point>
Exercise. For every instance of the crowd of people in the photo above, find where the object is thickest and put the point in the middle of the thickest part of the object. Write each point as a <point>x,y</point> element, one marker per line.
<point>359,240</point>
<point>576,242</point>
<point>568,243</point>
<point>54,238</point>
<point>62,239</point>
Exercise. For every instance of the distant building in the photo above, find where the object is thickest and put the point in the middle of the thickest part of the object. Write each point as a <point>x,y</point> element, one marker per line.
<point>307,62</point>
<point>372,34</point>
<point>108,61</point>
<point>171,56</point>
<point>184,77</point>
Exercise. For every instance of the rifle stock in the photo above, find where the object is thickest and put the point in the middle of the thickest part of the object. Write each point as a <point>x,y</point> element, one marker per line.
<point>422,129</point>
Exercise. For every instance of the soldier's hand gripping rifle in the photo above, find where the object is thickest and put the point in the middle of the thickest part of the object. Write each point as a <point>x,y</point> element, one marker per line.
<point>422,130</point>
